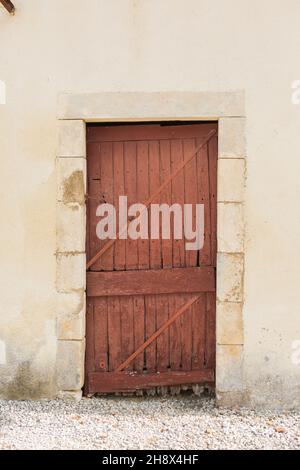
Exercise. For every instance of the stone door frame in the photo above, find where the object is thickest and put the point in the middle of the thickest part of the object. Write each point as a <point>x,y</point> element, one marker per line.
<point>74,111</point>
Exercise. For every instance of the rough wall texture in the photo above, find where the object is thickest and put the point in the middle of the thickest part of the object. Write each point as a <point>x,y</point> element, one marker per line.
<point>126,45</point>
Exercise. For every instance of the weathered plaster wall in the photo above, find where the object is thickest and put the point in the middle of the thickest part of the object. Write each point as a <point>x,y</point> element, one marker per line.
<point>50,47</point>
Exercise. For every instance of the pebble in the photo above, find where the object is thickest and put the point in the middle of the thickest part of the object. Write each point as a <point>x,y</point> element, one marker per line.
<point>181,422</point>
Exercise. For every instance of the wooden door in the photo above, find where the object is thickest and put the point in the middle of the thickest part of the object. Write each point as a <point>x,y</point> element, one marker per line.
<point>150,302</point>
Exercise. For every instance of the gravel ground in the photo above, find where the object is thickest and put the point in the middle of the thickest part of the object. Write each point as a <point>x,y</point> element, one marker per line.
<point>184,422</point>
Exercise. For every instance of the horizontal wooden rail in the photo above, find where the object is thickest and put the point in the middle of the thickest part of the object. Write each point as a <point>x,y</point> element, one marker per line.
<point>146,282</point>
<point>105,382</point>
<point>151,132</point>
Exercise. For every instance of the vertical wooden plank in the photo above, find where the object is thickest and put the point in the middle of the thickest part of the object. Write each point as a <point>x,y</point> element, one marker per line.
<point>211,296</point>
<point>139,330</point>
<point>100,334</point>
<point>94,243</point>
<point>114,332</point>
<point>204,198</point>
<point>166,197</point>
<point>210,327</point>
<point>213,159</point>
<point>119,190</point>
<point>89,351</point>
<point>93,190</point>
<point>186,336</point>
<point>131,249</point>
<point>178,254</point>
<point>93,160</point>
<point>162,347</point>
<point>162,301</point>
<point>177,186</point>
<point>175,302</point>
<point>150,325</point>
<point>107,196</point>
<point>125,335</point>
<point>143,252</point>
<point>154,181</point>
<point>198,332</point>
<point>153,312</point>
<point>130,191</point>
<point>127,325</point>
<point>142,196</point>
<point>191,256</point>
<point>191,193</point>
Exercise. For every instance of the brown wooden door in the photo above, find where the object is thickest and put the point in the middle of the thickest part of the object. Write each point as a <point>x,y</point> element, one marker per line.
<point>150,296</point>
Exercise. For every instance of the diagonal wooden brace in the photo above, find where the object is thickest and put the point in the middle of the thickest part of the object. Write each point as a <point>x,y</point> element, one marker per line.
<point>8,5</point>
<point>151,198</point>
<point>157,333</point>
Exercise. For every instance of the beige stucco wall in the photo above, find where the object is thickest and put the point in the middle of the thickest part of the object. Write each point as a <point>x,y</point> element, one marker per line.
<point>50,47</point>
